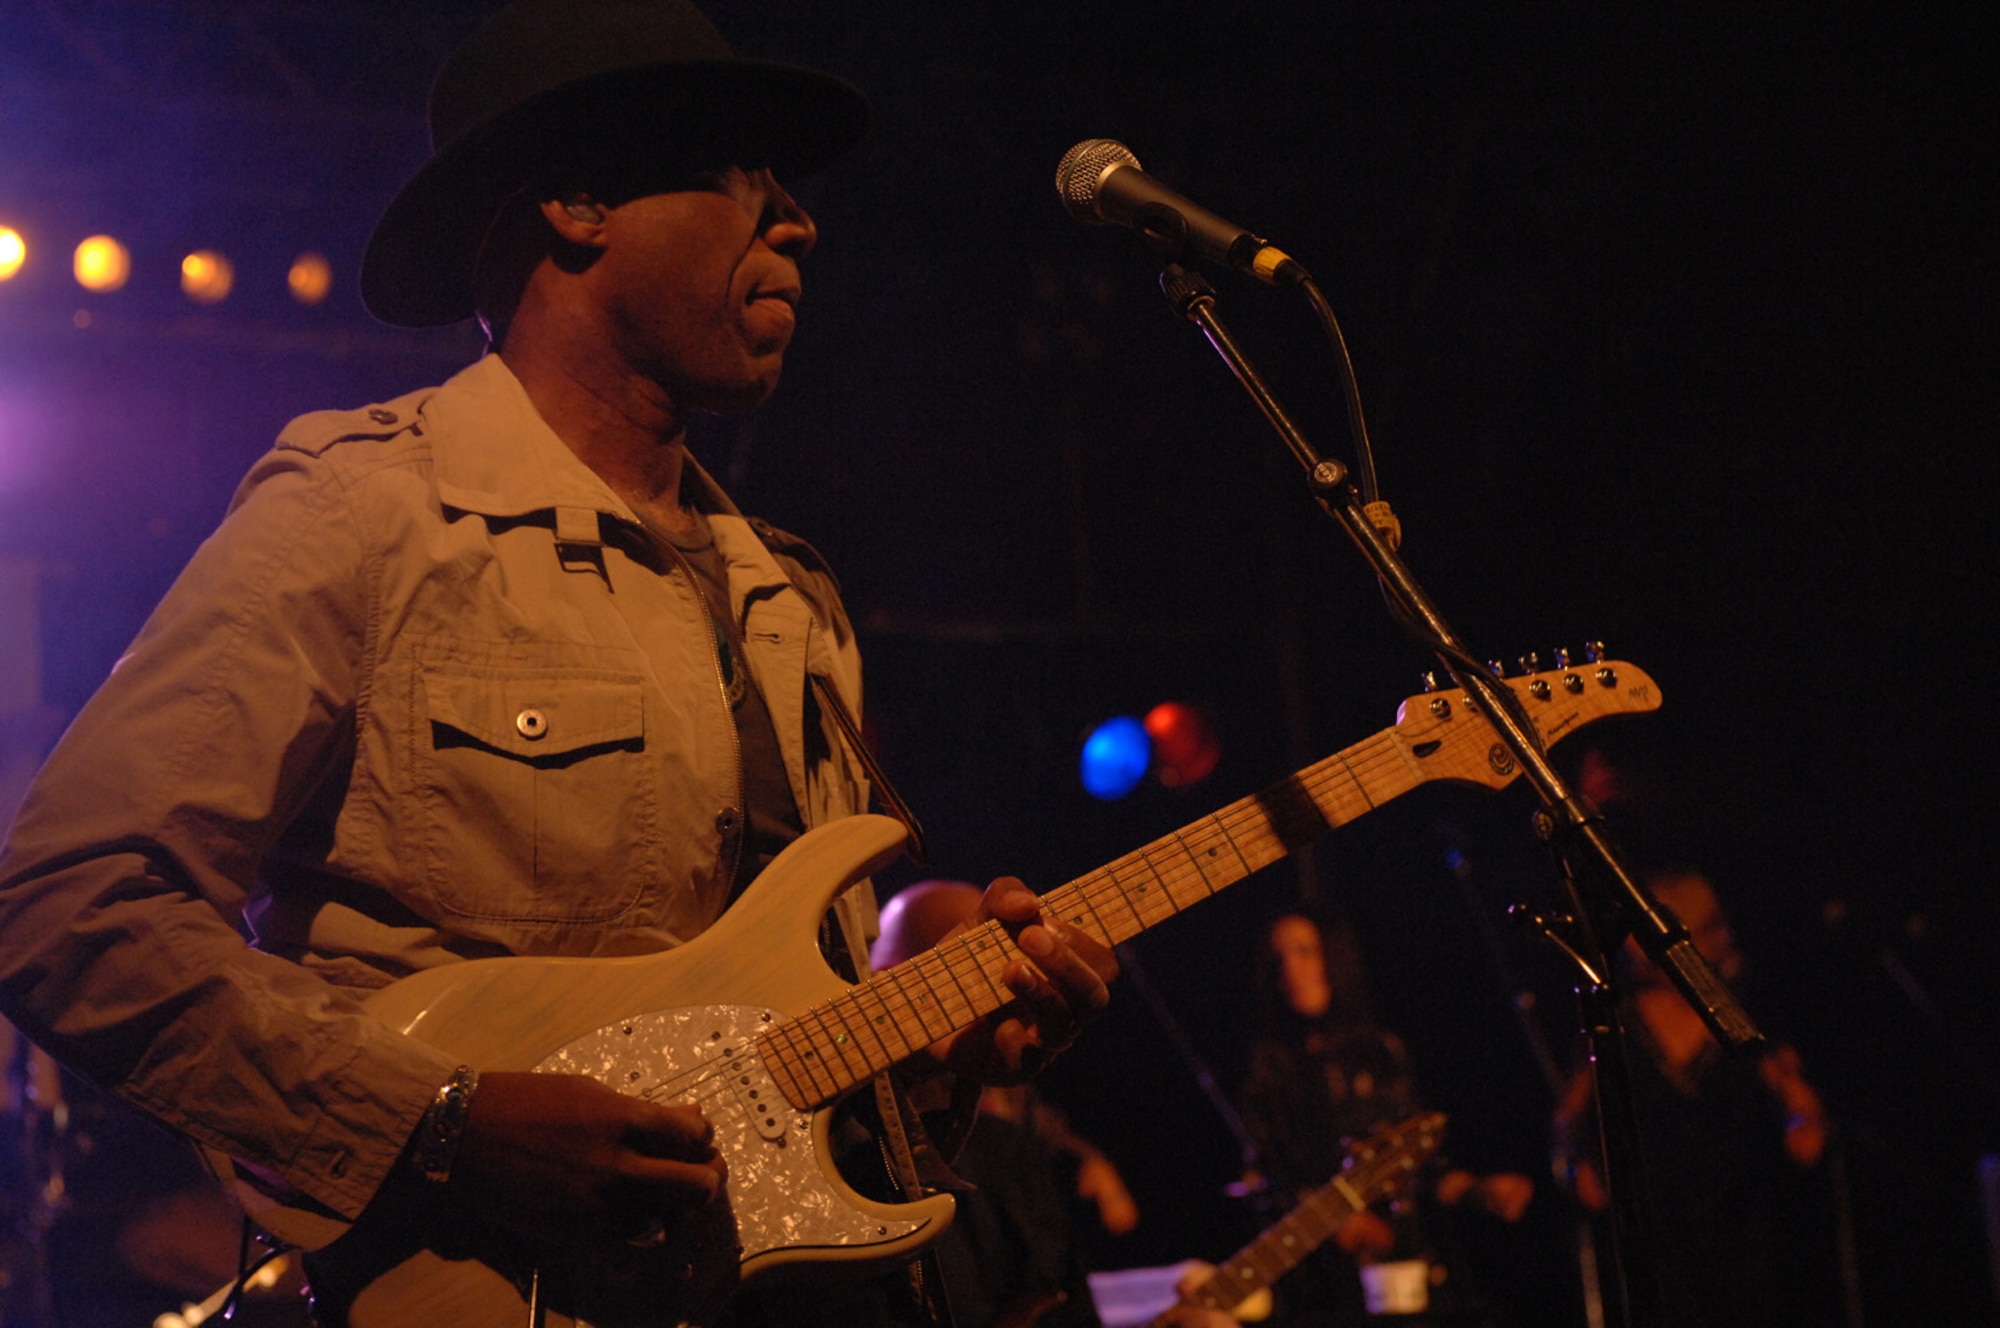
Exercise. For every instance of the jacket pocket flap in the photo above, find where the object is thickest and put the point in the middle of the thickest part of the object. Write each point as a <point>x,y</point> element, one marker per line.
<point>537,716</point>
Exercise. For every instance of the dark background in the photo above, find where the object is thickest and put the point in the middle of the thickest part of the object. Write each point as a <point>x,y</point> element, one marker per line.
<point>1676,330</point>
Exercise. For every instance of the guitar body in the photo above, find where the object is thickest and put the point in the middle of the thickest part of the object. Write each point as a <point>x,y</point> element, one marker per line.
<point>676,1026</point>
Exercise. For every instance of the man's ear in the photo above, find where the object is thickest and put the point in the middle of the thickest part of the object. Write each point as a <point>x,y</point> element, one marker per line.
<point>578,219</point>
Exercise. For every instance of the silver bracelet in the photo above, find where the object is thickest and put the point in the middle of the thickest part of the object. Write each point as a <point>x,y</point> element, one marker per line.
<point>443,1126</point>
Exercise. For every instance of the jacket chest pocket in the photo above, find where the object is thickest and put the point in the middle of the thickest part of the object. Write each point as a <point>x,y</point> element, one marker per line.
<point>539,803</point>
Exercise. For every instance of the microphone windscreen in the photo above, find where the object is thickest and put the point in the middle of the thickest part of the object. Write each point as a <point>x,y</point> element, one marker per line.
<point>1082,169</point>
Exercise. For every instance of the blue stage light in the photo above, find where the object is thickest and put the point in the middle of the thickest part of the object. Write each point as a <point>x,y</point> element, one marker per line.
<point>1115,757</point>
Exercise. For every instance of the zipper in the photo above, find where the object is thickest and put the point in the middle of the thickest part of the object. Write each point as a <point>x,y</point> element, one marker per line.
<point>722,694</point>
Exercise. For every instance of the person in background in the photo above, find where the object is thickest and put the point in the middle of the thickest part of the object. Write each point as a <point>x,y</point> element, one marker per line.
<point>1742,1219</point>
<point>1322,1072</point>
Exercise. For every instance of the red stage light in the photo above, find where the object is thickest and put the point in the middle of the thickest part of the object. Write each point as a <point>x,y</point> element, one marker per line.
<point>1184,748</point>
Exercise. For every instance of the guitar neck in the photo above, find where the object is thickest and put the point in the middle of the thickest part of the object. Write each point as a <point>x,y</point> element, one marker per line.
<point>1377,1167</point>
<point>1282,1247</point>
<point>845,1041</point>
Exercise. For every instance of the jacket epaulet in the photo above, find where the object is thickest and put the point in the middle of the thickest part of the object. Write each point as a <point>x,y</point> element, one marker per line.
<point>787,545</point>
<point>313,434</point>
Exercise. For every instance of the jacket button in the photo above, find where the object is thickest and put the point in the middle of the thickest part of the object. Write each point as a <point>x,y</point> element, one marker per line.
<point>727,820</point>
<point>531,723</point>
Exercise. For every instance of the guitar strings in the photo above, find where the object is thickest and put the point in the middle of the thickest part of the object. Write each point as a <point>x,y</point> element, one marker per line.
<point>1337,786</point>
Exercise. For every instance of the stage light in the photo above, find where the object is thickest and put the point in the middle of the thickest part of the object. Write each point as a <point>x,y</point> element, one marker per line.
<point>102,264</point>
<point>1184,748</point>
<point>13,252</point>
<point>1115,756</point>
<point>311,278</point>
<point>206,277</point>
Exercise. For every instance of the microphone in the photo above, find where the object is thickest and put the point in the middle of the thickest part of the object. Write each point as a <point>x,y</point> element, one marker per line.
<point>1101,183</point>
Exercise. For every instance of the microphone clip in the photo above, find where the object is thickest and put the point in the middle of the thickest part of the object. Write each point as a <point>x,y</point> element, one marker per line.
<point>1186,289</point>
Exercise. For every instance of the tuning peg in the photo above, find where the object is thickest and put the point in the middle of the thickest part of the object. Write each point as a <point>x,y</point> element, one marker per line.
<point>1531,663</point>
<point>1497,667</point>
<point>1561,656</point>
<point>1430,681</point>
<point>1593,651</point>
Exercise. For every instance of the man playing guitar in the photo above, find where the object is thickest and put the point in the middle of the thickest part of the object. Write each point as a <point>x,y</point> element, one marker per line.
<point>492,669</point>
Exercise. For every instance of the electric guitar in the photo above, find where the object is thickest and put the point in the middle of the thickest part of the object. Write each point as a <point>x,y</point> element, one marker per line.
<point>1376,1168</point>
<point>747,1021</point>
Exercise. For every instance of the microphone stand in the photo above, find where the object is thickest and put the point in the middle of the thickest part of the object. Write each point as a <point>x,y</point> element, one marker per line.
<point>1608,903</point>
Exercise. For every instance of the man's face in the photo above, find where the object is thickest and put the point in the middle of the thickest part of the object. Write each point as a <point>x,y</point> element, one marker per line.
<point>701,284</point>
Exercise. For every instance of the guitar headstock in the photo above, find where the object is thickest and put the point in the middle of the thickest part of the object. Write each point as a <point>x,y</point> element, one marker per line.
<point>1446,731</point>
<point>1379,1165</point>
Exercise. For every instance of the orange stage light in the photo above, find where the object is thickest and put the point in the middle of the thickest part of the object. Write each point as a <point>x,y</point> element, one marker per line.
<point>13,252</point>
<point>206,277</point>
<point>102,264</point>
<point>311,278</point>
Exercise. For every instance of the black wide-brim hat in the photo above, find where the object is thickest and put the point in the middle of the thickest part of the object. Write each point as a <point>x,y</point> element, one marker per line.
<point>540,80</point>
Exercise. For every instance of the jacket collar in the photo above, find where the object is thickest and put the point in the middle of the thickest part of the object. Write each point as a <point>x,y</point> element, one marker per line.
<point>496,457</point>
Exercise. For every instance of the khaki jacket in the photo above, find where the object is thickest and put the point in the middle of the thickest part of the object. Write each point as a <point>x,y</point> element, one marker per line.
<point>428,693</point>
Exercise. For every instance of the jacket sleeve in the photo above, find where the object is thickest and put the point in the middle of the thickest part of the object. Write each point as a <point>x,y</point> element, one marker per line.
<point>123,880</point>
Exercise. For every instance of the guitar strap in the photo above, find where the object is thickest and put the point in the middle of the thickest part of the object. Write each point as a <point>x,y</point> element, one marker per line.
<point>801,554</point>
<point>915,1162</point>
<point>830,702</point>
<point>916,1156</point>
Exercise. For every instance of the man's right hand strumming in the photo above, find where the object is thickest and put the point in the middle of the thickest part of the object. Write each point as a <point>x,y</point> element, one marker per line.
<point>566,1162</point>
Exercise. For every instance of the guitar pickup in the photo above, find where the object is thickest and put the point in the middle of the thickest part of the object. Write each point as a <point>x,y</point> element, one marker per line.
<point>755,1092</point>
